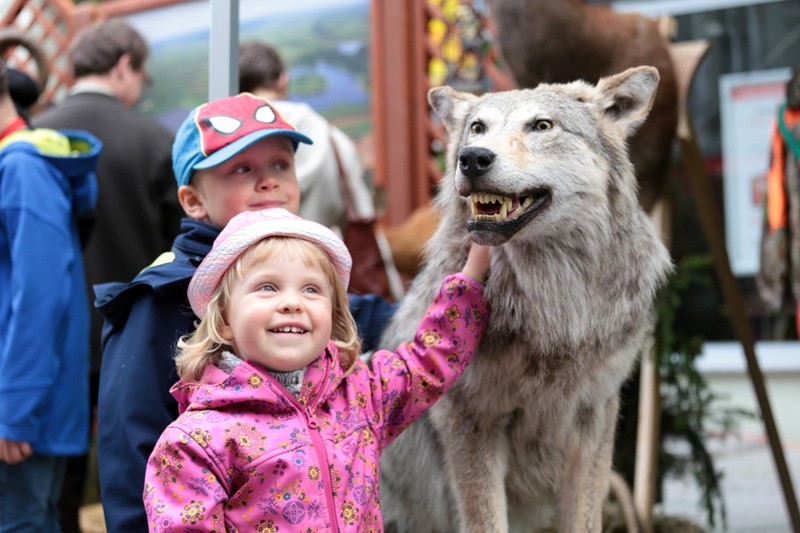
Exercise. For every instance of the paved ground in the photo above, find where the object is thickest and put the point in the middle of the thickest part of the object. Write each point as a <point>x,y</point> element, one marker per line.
<point>91,519</point>
<point>754,499</point>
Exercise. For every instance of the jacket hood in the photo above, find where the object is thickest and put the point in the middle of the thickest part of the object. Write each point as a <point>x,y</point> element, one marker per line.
<point>250,382</point>
<point>74,153</point>
<point>170,272</point>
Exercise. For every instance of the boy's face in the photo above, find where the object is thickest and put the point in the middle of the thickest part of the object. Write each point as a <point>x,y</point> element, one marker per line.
<point>260,177</point>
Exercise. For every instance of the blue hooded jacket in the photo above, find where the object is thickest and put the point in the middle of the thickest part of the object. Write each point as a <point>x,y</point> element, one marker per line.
<point>46,181</point>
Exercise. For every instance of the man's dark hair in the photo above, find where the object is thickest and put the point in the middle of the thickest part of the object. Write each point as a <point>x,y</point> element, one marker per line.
<point>98,48</point>
<point>260,65</point>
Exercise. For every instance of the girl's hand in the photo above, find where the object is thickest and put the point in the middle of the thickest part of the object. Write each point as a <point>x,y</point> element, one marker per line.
<point>477,263</point>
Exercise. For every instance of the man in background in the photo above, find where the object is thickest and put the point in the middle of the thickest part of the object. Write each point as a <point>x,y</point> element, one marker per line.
<point>263,73</point>
<point>137,214</point>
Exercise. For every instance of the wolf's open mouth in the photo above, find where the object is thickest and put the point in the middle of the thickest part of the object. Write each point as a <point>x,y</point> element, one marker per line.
<point>495,208</point>
<point>495,218</point>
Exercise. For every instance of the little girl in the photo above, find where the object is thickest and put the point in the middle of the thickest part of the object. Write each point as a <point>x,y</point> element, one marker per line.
<point>282,425</point>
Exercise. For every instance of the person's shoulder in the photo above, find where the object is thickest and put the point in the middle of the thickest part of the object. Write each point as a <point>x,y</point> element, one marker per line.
<point>146,127</point>
<point>150,123</point>
<point>72,105</point>
<point>164,272</point>
<point>18,151</point>
<point>301,115</point>
<point>23,168</point>
<point>102,108</point>
<point>21,150</point>
<point>162,285</point>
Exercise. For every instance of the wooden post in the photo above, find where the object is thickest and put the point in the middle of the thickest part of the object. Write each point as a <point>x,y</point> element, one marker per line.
<point>649,416</point>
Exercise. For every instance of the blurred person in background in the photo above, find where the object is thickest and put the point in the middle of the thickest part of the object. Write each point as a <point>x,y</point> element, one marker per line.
<point>137,214</point>
<point>46,181</point>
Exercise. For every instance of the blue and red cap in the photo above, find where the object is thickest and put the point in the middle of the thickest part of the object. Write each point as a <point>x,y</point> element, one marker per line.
<point>218,130</point>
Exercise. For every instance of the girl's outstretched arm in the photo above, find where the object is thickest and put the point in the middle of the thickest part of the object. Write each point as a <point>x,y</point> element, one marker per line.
<point>409,380</point>
<point>477,265</point>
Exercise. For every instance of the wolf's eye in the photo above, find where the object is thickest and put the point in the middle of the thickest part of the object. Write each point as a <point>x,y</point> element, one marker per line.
<point>542,124</point>
<point>477,127</point>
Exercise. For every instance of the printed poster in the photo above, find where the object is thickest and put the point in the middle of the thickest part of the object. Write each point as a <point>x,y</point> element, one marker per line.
<point>748,107</point>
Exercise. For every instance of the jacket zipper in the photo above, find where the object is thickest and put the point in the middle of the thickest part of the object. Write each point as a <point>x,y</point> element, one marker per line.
<point>322,457</point>
<point>319,449</point>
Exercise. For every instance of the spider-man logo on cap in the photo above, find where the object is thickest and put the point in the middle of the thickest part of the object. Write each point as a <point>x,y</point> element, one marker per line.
<point>216,131</point>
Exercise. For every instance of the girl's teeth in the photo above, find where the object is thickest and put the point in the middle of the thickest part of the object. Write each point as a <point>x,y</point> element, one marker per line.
<point>291,329</point>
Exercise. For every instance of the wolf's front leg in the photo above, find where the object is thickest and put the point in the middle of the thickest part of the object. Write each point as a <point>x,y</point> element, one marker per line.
<point>584,486</point>
<point>475,453</point>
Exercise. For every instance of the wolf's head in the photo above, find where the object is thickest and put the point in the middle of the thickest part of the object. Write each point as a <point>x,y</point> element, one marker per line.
<point>521,157</point>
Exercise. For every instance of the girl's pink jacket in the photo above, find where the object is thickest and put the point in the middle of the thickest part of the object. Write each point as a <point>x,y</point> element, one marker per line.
<point>246,455</point>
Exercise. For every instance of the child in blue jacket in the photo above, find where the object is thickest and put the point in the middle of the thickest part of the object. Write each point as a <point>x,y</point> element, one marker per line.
<point>230,155</point>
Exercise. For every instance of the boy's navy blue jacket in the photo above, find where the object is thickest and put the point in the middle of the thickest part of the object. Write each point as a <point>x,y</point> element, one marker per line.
<point>138,369</point>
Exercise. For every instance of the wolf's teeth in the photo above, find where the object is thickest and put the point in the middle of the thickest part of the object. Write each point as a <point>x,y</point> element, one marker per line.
<point>489,198</point>
<point>527,201</point>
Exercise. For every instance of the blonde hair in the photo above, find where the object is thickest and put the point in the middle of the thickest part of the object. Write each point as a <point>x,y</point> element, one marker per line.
<point>205,345</point>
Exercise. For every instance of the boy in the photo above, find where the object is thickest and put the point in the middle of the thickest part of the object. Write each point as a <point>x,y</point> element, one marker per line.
<point>230,155</point>
<point>46,181</point>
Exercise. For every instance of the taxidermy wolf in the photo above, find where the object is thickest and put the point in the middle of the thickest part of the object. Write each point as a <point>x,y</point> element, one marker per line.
<point>524,439</point>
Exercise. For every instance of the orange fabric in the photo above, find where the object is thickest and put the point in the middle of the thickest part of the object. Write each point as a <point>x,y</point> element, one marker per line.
<point>777,215</point>
<point>777,210</point>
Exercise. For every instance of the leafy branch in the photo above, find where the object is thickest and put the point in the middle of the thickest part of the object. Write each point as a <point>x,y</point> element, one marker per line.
<point>688,405</point>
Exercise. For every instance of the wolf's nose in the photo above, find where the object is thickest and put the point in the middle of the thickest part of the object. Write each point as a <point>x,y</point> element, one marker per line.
<point>474,162</point>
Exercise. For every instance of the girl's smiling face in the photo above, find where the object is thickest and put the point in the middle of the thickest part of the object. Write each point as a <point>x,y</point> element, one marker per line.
<point>279,313</point>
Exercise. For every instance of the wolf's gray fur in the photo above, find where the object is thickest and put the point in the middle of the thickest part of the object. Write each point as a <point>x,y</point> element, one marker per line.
<point>524,439</point>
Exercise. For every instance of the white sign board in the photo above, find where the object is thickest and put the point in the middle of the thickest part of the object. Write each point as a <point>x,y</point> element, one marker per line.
<point>748,105</point>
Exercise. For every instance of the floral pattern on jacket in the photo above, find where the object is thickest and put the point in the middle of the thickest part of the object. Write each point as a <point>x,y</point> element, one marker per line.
<point>246,455</point>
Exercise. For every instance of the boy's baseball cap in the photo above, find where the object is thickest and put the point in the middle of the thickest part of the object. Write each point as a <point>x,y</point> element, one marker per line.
<point>246,229</point>
<point>218,130</point>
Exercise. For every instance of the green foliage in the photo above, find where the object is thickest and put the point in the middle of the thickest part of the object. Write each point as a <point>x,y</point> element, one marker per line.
<point>688,406</point>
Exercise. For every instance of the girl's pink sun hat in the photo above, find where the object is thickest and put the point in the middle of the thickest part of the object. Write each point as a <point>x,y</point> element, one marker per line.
<point>250,227</point>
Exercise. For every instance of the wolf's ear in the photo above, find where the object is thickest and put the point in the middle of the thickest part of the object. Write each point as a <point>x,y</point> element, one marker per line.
<point>451,105</point>
<point>626,98</point>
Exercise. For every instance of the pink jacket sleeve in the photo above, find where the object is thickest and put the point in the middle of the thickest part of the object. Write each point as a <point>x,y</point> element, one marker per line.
<point>419,372</point>
<point>198,504</point>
